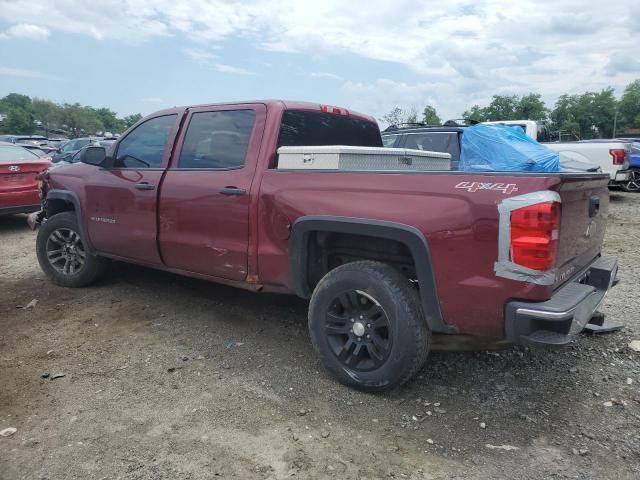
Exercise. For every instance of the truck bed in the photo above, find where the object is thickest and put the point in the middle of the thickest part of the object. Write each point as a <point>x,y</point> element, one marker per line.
<point>457,213</point>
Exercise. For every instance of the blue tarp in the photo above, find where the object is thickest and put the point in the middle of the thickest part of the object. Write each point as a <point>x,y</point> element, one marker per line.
<point>500,148</point>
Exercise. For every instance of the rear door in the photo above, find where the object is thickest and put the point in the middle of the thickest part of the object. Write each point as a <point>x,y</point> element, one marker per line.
<point>121,201</point>
<point>204,202</point>
<point>18,183</point>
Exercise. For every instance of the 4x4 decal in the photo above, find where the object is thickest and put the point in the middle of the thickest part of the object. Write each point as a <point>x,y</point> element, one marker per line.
<point>472,187</point>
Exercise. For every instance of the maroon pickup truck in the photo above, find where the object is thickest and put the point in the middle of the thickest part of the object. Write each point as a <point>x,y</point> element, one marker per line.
<point>387,258</point>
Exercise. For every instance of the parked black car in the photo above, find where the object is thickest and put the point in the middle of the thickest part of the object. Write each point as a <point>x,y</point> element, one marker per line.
<point>68,149</point>
<point>36,140</point>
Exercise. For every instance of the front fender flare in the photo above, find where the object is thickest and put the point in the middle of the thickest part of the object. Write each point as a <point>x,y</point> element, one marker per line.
<point>72,198</point>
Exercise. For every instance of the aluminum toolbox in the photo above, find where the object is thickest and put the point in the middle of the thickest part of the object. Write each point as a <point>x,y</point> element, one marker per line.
<point>340,157</point>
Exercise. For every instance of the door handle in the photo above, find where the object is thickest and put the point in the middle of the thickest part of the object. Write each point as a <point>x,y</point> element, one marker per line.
<point>145,186</point>
<point>233,191</point>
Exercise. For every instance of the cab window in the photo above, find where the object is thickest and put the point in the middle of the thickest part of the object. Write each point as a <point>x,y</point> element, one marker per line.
<point>144,146</point>
<point>217,140</point>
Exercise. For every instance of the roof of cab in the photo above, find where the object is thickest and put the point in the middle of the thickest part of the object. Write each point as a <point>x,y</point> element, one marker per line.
<point>274,103</point>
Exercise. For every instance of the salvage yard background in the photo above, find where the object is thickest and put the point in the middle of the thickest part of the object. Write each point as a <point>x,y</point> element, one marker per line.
<point>167,377</point>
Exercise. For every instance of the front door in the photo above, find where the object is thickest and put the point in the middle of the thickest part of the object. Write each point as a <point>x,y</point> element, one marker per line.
<point>121,200</point>
<point>204,203</point>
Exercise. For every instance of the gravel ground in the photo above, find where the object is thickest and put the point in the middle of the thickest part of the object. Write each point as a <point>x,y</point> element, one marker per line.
<point>168,377</point>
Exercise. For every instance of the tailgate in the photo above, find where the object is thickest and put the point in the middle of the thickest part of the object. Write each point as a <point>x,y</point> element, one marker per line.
<point>585,203</point>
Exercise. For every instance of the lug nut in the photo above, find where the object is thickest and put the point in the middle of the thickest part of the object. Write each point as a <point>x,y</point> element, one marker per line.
<point>368,325</point>
<point>368,336</point>
<point>353,320</point>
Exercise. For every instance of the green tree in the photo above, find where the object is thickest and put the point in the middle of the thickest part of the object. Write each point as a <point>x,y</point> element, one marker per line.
<point>398,116</point>
<point>629,106</point>
<point>503,107</point>
<point>476,113</point>
<point>110,121</point>
<point>19,119</point>
<point>24,116</point>
<point>17,122</point>
<point>430,116</point>
<point>603,109</point>
<point>17,101</point>
<point>412,115</point>
<point>531,107</point>
<point>47,113</point>
<point>588,115</point>
<point>80,120</point>
<point>130,120</point>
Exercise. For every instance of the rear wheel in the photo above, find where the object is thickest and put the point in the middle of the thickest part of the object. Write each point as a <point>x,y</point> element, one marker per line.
<point>367,324</point>
<point>633,184</point>
<point>63,255</point>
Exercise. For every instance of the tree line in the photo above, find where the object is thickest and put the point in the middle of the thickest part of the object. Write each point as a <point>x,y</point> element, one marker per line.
<point>586,115</point>
<point>22,115</point>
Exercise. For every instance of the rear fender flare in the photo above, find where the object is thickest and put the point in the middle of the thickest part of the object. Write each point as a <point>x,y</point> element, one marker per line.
<point>405,234</point>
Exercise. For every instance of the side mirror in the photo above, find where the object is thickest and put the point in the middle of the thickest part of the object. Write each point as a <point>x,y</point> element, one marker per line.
<point>93,155</point>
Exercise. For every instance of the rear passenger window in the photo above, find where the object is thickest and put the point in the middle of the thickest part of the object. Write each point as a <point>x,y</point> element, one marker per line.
<point>143,147</point>
<point>304,128</point>
<point>217,140</point>
<point>446,142</point>
<point>390,140</point>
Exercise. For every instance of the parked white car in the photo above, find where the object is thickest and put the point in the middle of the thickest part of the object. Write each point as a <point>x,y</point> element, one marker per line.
<point>611,156</point>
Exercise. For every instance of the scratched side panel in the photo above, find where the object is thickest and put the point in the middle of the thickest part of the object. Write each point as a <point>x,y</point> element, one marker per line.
<point>461,227</point>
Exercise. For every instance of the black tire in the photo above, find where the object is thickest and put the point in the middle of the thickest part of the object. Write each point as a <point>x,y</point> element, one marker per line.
<point>62,254</point>
<point>352,341</point>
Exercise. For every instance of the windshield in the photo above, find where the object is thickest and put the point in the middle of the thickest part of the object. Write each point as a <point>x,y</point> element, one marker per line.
<point>16,154</point>
<point>302,128</point>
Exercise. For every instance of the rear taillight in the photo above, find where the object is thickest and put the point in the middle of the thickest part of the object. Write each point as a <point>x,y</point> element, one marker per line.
<point>334,110</point>
<point>617,154</point>
<point>534,235</point>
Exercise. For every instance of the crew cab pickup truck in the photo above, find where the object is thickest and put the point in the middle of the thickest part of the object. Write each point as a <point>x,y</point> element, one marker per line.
<point>387,258</point>
<point>612,156</point>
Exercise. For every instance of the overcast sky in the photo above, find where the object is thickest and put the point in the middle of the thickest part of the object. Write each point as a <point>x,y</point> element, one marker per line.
<point>143,55</point>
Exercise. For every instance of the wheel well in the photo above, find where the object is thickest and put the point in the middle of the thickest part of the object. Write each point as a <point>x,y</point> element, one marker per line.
<point>328,250</point>
<point>57,205</point>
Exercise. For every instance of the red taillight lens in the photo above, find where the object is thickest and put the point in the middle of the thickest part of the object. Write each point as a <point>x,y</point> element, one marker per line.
<point>618,155</point>
<point>534,235</point>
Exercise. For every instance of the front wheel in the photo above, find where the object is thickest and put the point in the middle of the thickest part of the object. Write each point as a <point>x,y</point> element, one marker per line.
<point>633,184</point>
<point>367,324</point>
<point>63,255</point>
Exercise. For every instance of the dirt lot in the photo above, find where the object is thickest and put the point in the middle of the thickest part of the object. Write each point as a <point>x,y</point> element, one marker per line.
<point>167,377</point>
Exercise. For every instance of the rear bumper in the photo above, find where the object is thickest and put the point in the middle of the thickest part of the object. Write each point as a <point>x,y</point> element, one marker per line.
<point>621,176</point>
<point>565,314</point>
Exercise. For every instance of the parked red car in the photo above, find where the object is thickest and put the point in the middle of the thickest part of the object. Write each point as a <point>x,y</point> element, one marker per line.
<point>386,257</point>
<point>18,183</point>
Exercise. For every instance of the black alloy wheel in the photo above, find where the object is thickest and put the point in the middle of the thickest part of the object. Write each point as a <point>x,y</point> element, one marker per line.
<point>358,331</point>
